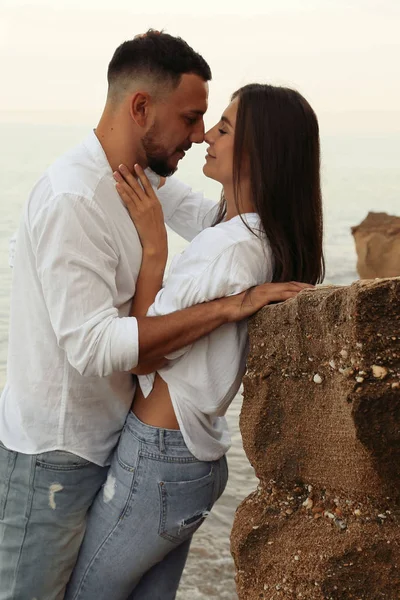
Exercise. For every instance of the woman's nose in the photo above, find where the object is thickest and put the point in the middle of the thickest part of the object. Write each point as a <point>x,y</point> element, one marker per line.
<point>208,137</point>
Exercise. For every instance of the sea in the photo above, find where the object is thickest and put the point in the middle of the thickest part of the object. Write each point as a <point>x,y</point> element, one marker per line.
<point>360,173</point>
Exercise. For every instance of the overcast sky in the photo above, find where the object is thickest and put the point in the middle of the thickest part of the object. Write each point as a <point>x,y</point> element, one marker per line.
<point>343,56</point>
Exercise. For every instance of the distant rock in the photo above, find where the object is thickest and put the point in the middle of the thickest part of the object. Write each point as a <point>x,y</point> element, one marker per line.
<point>324,522</point>
<point>377,241</point>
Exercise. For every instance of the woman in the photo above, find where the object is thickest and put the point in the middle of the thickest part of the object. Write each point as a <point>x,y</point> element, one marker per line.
<point>170,466</point>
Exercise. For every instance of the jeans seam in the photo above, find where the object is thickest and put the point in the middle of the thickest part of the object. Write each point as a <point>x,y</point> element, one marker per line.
<point>12,458</point>
<point>121,463</point>
<point>82,584</point>
<point>171,459</point>
<point>132,491</point>
<point>163,516</point>
<point>163,512</point>
<point>75,462</point>
<point>27,518</point>
<point>61,467</point>
<point>124,466</point>
<point>176,444</point>
<point>143,440</point>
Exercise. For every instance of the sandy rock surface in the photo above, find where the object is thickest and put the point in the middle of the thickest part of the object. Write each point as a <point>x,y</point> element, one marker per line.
<point>377,241</point>
<point>321,427</point>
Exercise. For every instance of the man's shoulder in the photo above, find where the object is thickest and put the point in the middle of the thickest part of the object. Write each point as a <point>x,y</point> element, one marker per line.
<point>76,172</point>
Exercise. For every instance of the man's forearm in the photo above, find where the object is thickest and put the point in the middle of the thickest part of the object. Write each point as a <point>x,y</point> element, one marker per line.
<point>160,336</point>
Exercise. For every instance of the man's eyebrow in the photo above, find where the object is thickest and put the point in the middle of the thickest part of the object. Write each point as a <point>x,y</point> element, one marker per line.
<point>226,120</point>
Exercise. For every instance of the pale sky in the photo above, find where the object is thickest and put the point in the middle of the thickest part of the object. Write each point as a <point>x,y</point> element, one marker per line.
<point>342,55</point>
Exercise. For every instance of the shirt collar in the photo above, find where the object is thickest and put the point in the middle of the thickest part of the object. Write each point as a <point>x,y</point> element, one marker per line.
<point>95,148</point>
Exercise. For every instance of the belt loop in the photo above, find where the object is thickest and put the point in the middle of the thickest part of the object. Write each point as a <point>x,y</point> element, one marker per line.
<point>161,438</point>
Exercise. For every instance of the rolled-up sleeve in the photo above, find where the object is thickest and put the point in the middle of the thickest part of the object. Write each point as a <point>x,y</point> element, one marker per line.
<point>186,212</point>
<point>76,263</point>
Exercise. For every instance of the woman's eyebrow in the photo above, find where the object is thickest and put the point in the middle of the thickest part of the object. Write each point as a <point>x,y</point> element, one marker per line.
<point>226,120</point>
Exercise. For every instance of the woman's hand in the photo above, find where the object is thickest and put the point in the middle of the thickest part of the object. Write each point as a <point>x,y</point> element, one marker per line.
<point>145,211</point>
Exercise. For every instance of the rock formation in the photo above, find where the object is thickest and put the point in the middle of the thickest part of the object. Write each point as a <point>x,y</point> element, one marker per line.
<point>321,427</point>
<point>377,241</point>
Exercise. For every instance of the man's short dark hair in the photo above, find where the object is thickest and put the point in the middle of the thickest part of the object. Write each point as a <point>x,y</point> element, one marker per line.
<point>158,56</point>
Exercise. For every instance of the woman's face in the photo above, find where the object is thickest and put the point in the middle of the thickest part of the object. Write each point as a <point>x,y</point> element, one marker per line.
<point>219,157</point>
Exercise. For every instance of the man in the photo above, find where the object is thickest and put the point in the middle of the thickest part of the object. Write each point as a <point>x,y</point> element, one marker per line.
<point>72,344</point>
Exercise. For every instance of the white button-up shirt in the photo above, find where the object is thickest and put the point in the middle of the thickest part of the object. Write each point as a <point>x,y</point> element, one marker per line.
<point>204,378</point>
<point>71,342</point>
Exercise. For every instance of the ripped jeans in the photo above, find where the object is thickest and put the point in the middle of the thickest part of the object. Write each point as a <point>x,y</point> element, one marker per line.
<point>141,524</point>
<point>44,499</point>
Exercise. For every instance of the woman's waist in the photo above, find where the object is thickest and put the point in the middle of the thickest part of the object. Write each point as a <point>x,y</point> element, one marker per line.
<point>173,406</point>
<point>153,406</point>
<point>198,439</point>
<point>206,396</point>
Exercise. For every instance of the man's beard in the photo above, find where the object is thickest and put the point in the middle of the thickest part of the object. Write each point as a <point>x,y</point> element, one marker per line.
<point>157,158</point>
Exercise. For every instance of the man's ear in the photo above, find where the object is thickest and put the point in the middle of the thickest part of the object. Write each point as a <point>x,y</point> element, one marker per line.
<point>140,108</point>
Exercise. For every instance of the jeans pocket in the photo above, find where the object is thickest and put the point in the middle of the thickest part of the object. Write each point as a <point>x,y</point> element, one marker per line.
<point>61,460</point>
<point>184,506</point>
<point>7,462</point>
<point>127,451</point>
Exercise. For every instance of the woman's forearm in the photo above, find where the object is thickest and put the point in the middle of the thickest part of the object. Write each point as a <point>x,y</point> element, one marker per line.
<point>148,284</point>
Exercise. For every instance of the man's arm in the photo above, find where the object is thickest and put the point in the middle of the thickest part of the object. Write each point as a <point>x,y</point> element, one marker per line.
<point>160,336</point>
<point>76,261</point>
<point>76,264</point>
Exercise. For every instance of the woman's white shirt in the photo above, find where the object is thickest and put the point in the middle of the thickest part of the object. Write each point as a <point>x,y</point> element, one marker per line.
<point>204,378</point>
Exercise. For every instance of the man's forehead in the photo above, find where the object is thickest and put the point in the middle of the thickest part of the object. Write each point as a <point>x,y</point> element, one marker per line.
<point>191,94</point>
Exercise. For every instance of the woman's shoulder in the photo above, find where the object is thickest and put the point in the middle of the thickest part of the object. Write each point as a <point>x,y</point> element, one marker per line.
<point>236,244</point>
<point>227,235</point>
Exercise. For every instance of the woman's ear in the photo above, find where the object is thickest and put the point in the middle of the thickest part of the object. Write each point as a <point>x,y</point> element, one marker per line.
<point>140,108</point>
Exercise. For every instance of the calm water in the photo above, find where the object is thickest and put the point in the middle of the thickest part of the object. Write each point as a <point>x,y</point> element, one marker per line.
<point>359,174</point>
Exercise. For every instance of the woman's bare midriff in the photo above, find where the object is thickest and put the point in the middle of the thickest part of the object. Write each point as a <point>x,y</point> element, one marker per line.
<point>156,409</point>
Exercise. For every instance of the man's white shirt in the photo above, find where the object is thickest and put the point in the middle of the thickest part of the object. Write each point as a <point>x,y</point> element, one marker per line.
<point>71,342</point>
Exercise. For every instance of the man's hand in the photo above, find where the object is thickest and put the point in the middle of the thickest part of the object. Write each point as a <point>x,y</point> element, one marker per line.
<point>247,303</point>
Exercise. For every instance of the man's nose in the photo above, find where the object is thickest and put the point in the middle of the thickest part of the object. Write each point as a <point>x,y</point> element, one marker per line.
<point>197,135</point>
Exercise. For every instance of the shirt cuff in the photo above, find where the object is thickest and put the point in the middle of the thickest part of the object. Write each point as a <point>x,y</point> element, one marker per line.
<point>127,353</point>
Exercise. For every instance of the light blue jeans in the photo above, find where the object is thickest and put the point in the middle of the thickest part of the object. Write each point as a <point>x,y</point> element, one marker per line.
<point>44,500</point>
<point>141,524</point>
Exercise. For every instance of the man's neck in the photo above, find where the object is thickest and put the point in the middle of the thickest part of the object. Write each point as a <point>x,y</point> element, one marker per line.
<point>119,147</point>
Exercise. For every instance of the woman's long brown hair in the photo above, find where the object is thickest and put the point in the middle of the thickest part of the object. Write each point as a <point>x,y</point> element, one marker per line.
<point>277,138</point>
